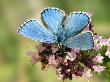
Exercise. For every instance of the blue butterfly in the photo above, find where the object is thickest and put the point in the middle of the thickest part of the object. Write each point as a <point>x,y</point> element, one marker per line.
<point>60,29</point>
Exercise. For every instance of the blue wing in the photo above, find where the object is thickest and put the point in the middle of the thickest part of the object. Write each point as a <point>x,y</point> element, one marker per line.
<point>82,41</point>
<point>31,29</point>
<point>52,18</point>
<point>76,22</point>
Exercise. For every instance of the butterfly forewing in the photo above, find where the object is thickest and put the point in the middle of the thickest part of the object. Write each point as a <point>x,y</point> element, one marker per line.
<point>76,22</point>
<point>31,29</point>
<point>53,18</point>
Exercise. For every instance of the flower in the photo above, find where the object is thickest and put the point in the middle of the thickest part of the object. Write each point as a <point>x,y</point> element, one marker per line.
<point>97,38</point>
<point>54,48</point>
<point>59,75</point>
<point>64,46</point>
<point>103,42</point>
<point>97,47</point>
<point>109,41</point>
<point>71,55</point>
<point>79,71</point>
<point>34,57</point>
<point>52,60</point>
<point>107,53</point>
<point>99,42</point>
<point>87,74</point>
<point>98,58</point>
<point>98,68</point>
<point>41,47</point>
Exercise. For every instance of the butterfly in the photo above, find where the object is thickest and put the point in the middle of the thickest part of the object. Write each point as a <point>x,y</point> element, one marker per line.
<point>60,29</point>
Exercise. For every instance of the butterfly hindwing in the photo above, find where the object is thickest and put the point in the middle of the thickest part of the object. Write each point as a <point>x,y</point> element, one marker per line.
<point>53,18</point>
<point>76,22</point>
<point>82,41</point>
<point>31,29</point>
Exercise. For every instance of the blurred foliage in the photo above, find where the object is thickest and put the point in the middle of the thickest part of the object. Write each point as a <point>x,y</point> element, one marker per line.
<point>14,66</point>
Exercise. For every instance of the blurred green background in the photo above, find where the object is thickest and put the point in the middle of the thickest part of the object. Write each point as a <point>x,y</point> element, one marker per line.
<point>14,64</point>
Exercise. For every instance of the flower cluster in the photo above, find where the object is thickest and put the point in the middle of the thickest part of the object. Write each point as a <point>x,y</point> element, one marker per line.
<point>70,63</point>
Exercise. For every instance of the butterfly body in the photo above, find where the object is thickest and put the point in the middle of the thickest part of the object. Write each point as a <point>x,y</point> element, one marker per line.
<point>60,29</point>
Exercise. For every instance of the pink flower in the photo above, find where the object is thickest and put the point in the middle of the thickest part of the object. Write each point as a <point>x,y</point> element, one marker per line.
<point>71,55</point>
<point>68,70</point>
<point>59,77</point>
<point>98,58</point>
<point>34,57</point>
<point>41,48</point>
<point>52,60</point>
<point>107,53</point>
<point>104,42</point>
<point>97,47</point>
<point>98,68</point>
<point>54,48</point>
<point>97,38</point>
<point>99,42</point>
<point>87,74</point>
<point>109,41</point>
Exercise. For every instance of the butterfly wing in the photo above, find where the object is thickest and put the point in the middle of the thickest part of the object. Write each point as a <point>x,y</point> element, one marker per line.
<point>76,22</point>
<point>82,41</point>
<point>31,29</point>
<point>52,18</point>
